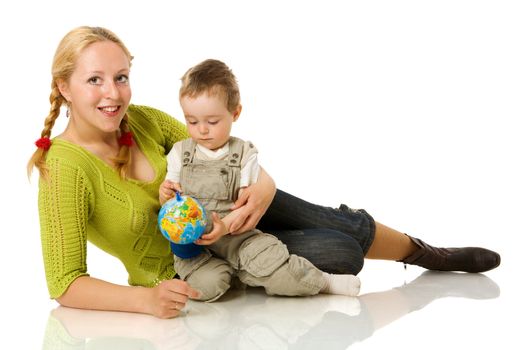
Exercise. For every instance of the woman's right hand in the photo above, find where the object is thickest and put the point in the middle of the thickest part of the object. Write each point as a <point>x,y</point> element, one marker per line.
<point>169,297</point>
<point>164,300</point>
<point>252,204</point>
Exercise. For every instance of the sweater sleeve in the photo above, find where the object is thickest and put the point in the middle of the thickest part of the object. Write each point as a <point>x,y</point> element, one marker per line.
<point>64,202</point>
<point>171,129</point>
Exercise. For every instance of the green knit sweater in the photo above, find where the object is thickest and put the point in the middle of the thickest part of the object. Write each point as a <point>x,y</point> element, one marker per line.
<point>85,200</point>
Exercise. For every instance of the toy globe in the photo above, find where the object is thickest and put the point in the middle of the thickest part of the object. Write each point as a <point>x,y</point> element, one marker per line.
<point>182,219</point>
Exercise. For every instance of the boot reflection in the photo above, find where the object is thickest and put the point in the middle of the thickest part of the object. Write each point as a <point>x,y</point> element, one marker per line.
<point>431,285</point>
<point>251,319</point>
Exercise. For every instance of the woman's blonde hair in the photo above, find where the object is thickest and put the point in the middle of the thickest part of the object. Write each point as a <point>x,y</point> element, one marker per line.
<point>64,63</point>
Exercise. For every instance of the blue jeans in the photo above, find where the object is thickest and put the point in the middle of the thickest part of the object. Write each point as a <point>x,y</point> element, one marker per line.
<point>333,239</point>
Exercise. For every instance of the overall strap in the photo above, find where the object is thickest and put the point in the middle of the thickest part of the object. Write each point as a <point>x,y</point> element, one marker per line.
<point>188,151</point>
<point>235,155</point>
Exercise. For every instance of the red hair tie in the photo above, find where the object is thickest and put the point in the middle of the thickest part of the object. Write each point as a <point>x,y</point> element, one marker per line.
<point>126,139</point>
<point>44,143</point>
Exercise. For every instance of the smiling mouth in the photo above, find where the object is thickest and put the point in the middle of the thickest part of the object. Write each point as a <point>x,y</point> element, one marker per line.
<point>110,110</point>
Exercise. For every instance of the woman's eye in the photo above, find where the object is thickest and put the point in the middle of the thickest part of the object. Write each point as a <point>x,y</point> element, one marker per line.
<point>94,80</point>
<point>122,79</point>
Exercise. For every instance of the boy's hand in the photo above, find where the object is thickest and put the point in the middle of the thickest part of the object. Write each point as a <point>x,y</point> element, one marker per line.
<point>219,229</point>
<point>167,190</point>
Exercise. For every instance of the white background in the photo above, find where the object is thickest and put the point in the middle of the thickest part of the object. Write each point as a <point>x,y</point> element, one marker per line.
<point>410,109</point>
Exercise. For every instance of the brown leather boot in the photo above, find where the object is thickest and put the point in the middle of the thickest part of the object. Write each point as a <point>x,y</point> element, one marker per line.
<point>470,259</point>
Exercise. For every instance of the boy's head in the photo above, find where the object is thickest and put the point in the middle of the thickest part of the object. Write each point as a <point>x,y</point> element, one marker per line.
<point>214,78</point>
<point>210,99</point>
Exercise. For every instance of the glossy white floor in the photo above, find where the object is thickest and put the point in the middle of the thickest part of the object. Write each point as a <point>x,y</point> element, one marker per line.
<point>411,109</point>
<point>397,309</point>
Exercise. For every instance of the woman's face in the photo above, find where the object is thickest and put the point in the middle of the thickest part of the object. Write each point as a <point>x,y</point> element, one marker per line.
<point>99,90</point>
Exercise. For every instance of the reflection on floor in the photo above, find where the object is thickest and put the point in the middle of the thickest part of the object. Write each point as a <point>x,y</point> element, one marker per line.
<point>249,319</point>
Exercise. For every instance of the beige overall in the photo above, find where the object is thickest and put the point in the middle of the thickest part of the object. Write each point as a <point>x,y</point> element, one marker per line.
<point>256,258</point>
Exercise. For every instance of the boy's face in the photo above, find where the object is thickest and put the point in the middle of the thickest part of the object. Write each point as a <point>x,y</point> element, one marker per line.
<point>209,121</point>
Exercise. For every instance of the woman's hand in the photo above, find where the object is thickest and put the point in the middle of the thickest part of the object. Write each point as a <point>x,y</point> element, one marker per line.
<point>164,300</point>
<point>167,190</point>
<point>219,229</point>
<point>169,297</point>
<point>252,203</point>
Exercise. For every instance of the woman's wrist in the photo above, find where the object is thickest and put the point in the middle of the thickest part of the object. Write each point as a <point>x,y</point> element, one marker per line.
<point>268,188</point>
<point>143,298</point>
<point>91,293</point>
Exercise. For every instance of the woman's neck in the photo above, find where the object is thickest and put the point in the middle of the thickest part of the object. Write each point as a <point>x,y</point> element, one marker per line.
<point>89,137</point>
<point>103,145</point>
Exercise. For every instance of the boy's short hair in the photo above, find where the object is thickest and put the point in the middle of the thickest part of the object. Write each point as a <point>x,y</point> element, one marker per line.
<point>215,78</point>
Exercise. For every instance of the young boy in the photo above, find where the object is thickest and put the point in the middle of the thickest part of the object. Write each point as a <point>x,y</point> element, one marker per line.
<point>213,167</point>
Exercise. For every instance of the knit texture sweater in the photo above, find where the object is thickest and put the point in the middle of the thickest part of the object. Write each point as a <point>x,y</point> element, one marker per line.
<point>86,200</point>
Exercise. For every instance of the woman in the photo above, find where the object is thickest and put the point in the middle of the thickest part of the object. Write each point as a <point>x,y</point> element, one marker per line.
<point>99,180</point>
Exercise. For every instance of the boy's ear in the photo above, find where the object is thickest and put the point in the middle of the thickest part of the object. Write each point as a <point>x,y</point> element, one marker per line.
<point>237,112</point>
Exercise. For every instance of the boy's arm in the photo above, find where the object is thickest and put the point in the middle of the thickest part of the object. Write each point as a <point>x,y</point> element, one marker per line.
<point>171,184</point>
